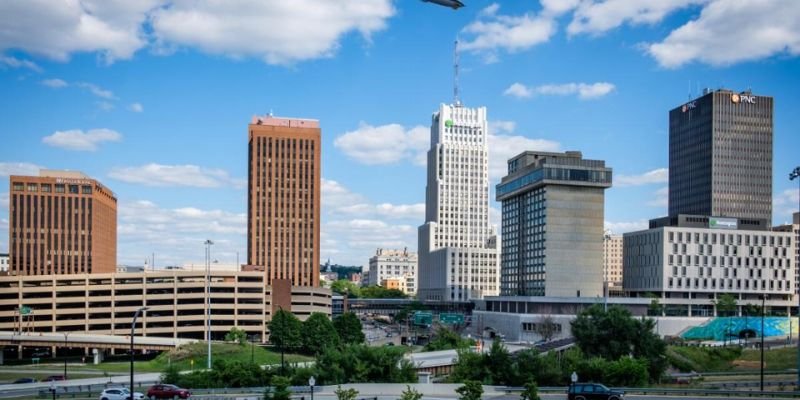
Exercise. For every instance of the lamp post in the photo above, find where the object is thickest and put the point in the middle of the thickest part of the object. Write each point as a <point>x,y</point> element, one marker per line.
<point>208,244</point>
<point>133,330</point>
<point>65,357</point>
<point>795,174</point>
<point>311,383</point>
<point>763,309</point>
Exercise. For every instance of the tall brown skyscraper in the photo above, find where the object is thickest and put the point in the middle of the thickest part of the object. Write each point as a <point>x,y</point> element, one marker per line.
<point>61,222</point>
<point>283,211</point>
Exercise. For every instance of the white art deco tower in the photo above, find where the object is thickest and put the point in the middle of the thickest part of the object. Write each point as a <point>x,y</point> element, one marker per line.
<point>457,246</point>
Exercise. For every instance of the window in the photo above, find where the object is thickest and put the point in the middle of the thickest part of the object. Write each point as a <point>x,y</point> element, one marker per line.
<point>73,189</point>
<point>18,187</point>
<point>32,187</point>
<point>86,189</point>
<point>46,187</point>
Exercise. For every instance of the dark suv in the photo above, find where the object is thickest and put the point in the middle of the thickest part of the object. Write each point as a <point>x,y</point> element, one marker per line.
<point>593,391</point>
<point>167,392</point>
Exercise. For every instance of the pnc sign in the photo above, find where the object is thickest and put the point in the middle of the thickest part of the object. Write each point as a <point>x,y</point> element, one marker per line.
<point>743,98</point>
<point>689,106</point>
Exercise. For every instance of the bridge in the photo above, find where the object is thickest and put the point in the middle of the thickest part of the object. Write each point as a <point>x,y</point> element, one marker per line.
<point>76,339</point>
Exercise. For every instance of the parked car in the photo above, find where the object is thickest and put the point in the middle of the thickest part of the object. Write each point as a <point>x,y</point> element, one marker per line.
<point>167,392</point>
<point>52,378</point>
<point>25,380</point>
<point>120,394</point>
<point>593,391</point>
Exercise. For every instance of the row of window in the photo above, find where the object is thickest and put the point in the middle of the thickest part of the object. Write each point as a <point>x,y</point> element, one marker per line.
<point>48,188</point>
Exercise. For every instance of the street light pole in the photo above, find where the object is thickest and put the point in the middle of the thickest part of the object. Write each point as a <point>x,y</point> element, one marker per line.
<point>795,174</point>
<point>311,383</point>
<point>65,357</point>
<point>763,310</point>
<point>133,330</point>
<point>208,244</point>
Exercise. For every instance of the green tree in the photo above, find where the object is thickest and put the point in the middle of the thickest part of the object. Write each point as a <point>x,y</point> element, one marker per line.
<point>363,364</point>
<point>379,292</point>
<point>348,326</point>
<point>472,390</point>
<point>236,335</point>
<point>281,385</point>
<point>726,305</point>
<point>346,394</point>
<point>410,394</point>
<point>498,362</point>
<point>531,392</point>
<point>470,366</point>
<point>546,327</point>
<point>284,330</point>
<point>615,333</point>
<point>319,333</point>
<point>171,375</point>
<point>344,286</point>
<point>655,308</point>
<point>446,339</point>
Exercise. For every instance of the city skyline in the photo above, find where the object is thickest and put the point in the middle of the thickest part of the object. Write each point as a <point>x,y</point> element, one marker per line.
<point>156,113</point>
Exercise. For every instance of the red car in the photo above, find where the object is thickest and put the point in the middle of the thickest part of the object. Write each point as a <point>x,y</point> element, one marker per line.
<point>167,392</point>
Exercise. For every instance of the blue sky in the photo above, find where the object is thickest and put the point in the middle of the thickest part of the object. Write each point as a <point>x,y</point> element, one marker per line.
<point>153,99</point>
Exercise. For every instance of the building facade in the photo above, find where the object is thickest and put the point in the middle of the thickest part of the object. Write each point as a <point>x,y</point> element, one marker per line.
<point>284,176</point>
<point>704,262</point>
<point>398,264</point>
<point>720,156</point>
<point>458,255</point>
<point>794,227</point>
<point>176,300</point>
<point>552,228</point>
<point>612,262</point>
<point>61,222</point>
<point>3,262</point>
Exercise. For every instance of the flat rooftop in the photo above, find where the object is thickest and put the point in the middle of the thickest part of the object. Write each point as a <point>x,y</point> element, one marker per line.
<point>270,120</point>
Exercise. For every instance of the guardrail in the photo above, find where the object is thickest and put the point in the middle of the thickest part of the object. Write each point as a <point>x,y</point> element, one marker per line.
<point>675,392</point>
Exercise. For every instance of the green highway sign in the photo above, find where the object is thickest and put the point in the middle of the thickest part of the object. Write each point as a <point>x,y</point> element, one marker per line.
<point>423,318</point>
<point>451,318</point>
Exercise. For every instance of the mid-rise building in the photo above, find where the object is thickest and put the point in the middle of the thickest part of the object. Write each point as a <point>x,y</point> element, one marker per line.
<point>704,257</point>
<point>612,262</point>
<point>400,264</point>
<point>457,246</point>
<point>794,227</point>
<point>61,222</point>
<point>176,301</point>
<point>283,224</point>
<point>4,263</point>
<point>720,156</point>
<point>552,228</point>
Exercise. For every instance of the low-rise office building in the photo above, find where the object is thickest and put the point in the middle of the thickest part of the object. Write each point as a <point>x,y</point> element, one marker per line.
<point>700,258</point>
<point>176,302</point>
<point>612,263</point>
<point>387,264</point>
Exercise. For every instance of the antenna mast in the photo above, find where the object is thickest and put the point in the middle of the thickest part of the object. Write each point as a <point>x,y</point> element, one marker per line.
<point>456,100</point>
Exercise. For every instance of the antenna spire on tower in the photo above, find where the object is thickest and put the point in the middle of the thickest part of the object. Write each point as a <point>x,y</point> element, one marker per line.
<point>456,100</point>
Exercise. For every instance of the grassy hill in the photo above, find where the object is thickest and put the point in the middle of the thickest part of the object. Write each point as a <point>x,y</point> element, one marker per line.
<point>731,358</point>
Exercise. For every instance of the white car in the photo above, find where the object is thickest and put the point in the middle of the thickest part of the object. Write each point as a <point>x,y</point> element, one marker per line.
<point>120,394</point>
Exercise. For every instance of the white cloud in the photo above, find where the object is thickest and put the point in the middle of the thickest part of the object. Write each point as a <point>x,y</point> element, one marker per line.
<point>728,32</point>
<point>518,90</point>
<point>76,139</point>
<point>96,90</point>
<point>623,227</point>
<point>4,200</point>
<point>13,62</point>
<point>176,175</point>
<point>136,107</point>
<point>503,147</point>
<point>658,175</point>
<point>661,198</point>
<point>56,29</point>
<point>104,105</point>
<point>498,126</point>
<point>493,32</point>
<point>785,203</point>
<point>55,83</point>
<point>385,144</point>
<point>176,235</point>
<point>279,32</point>
<point>585,91</point>
<point>19,168</point>
<point>558,7</point>
<point>598,16</point>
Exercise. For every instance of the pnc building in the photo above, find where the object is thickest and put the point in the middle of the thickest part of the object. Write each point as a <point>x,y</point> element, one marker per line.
<point>61,222</point>
<point>283,212</point>
<point>720,157</point>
